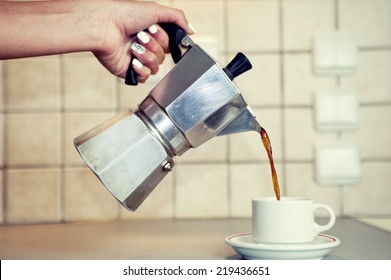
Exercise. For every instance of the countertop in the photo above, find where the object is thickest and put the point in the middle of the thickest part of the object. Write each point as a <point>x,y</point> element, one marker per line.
<point>168,239</point>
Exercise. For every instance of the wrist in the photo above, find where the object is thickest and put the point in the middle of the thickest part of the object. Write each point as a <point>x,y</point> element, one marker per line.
<point>90,23</point>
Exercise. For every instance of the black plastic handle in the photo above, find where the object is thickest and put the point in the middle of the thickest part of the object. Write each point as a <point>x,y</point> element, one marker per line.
<point>238,65</point>
<point>175,36</point>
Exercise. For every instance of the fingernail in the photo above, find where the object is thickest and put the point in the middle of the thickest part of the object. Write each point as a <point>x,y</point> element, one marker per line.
<point>137,63</point>
<point>152,29</point>
<point>143,37</point>
<point>192,27</point>
<point>138,48</point>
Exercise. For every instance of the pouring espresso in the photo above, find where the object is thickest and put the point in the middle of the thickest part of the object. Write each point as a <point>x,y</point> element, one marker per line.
<point>132,152</point>
<point>268,147</point>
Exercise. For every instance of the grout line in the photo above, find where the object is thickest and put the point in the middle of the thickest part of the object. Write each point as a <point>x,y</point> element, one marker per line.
<point>304,51</point>
<point>117,107</point>
<point>342,206</point>
<point>229,190</point>
<point>374,48</point>
<point>61,89</point>
<point>228,148</point>
<point>110,110</point>
<point>117,97</point>
<point>4,138</point>
<point>336,15</point>
<point>174,191</point>
<point>283,105</point>
<point>280,161</point>
<point>338,81</point>
<point>173,175</point>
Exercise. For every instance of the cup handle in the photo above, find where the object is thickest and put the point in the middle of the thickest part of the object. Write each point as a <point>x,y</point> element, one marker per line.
<point>320,228</point>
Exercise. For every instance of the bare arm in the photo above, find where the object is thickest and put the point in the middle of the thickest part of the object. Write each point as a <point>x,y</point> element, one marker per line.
<point>104,27</point>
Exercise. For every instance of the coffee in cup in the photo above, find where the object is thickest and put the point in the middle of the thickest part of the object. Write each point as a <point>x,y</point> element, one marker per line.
<point>288,220</point>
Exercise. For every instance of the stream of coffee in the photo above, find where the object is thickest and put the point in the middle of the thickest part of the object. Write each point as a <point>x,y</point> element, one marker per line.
<point>268,147</point>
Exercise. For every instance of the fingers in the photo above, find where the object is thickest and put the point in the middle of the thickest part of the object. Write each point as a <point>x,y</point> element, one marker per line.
<point>159,36</point>
<point>157,46</point>
<point>149,51</point>
<point>143,72</point>
<point>151,46</point>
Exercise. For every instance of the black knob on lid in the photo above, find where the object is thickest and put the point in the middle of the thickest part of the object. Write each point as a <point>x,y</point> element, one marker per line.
<point>238,65</point>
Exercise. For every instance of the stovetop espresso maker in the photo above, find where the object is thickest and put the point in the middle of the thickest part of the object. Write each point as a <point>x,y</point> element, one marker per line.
<point>196,101</point>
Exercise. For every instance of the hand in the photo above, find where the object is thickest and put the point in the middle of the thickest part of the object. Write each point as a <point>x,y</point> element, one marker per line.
<point>124,37</point>
<point>108,28</point>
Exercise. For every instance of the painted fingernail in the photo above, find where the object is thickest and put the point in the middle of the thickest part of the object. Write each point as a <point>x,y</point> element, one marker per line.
<point>192,27</point>
<point>143,37</point>
<point>153,29</point>
<point>137,63</point>
<point>138,48</point>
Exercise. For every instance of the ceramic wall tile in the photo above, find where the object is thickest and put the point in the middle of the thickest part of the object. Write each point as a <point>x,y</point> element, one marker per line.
<point>33,196</point>
<point>300,82</point>
<point>161,2</point>
<point>249,181</point>
<point>2,133</point>
<point>201,191</point>
<point>87,84</point>
<point>369,19</point>
<point>32,83</point>
<point>76,124</point>
<point>300,134</point>
<point>2,197</point>
<point>208,21</point>
<point>303,19</point>
<point>374,133</point>
<point>32,139</point>
<point>158,205</point>
<point>214,150</point>
<point>1,86</point>
<point>85,198</point>
<point>261,86</point>
<point>372,195</point>
<point>300,181</point>
<point>253,26</point>
<point>372,79</point>
<point>63,96</point>
<point>130,97</point>
<point>248,146</point>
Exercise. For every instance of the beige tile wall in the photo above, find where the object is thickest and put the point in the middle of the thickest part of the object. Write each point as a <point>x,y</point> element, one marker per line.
<point>45,102</point>
<point>33,195</point>
<point>33,86</point>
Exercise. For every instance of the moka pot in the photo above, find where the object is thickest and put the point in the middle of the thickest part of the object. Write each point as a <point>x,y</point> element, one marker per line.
<point>133,151</point>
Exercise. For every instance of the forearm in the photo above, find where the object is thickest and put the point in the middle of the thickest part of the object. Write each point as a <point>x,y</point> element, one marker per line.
<point>44,28</point>
<point>105,27</point>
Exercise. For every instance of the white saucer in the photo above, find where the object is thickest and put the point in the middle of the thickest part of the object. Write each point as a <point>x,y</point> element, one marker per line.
<point>243,244</point>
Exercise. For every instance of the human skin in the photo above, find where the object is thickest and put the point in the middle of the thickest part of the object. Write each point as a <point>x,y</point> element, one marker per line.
<point>107,28</point>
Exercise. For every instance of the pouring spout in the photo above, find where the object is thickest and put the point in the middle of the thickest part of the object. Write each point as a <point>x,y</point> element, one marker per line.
<point>245,121</point>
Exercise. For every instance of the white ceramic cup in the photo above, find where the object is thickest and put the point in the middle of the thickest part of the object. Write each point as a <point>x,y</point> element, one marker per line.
<point>290,220</point>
